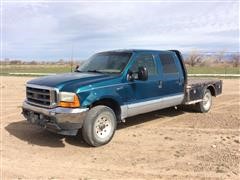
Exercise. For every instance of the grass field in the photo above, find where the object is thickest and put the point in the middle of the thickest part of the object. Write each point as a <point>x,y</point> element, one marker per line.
<point>213,70</point>
<point>6,69</point>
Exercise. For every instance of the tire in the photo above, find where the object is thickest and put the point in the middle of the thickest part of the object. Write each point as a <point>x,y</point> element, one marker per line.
<point>206,104</point>
<point>99,126</point>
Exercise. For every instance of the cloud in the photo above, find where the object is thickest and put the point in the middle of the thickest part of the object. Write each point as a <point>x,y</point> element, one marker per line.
<point>49,30</point>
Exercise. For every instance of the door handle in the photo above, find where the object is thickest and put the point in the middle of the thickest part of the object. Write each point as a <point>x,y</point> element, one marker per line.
<point>160,84</point>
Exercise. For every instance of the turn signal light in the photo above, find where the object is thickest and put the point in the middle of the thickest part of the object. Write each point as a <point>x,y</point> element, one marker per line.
<point>75,103</point>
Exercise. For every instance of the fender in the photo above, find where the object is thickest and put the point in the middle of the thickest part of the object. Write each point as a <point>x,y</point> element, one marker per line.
<point>97,95</point>
<point>212,89</point>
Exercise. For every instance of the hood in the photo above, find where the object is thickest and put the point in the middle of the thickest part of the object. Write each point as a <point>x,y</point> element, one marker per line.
<point>70,81</point>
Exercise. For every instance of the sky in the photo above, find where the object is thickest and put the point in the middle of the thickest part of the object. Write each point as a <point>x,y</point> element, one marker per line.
<point>43,30</point>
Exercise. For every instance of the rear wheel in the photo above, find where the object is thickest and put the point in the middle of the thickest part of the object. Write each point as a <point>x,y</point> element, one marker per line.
<point>206,104</point>
<point>99,126</point>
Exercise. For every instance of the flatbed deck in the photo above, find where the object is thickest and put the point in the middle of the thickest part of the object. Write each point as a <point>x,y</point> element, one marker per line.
<point>195,89</point>
<point>203,81</point>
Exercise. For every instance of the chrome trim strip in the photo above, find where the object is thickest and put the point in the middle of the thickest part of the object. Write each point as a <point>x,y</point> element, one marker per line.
<point>124,111</point>
<point>152,105</point>
<point>194,102</point>
<point>145,103</point>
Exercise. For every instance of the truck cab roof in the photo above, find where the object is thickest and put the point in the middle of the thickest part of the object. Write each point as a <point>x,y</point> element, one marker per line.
<point>137,50</point>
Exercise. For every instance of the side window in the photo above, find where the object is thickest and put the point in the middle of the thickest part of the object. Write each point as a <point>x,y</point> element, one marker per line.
<point>168,64</point>
<point>147,61</point>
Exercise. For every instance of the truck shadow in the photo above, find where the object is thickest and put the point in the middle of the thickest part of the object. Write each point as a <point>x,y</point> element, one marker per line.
<point>151,116</point>
<point>35,135</point>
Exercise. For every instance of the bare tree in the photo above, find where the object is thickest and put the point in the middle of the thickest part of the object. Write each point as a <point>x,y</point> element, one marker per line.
<point>15,62</point>
<point>60,61</point>
<point>33,62</point>
<point>194,58</point>
<point>235,60</point>
<point>220,56</point>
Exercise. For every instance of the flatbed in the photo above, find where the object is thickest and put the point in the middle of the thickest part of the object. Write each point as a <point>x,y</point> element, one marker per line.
<point>195,89</point>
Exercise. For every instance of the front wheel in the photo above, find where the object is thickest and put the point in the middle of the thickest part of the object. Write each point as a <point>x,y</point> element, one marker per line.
<point>99,126</point>
<point>206,104</point>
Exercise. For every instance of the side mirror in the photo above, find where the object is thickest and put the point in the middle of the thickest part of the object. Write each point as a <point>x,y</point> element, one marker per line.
<point>142,73</point>
<point>76,68</point>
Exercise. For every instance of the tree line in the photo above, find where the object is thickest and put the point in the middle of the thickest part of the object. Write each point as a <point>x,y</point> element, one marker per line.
<point>194,58</point>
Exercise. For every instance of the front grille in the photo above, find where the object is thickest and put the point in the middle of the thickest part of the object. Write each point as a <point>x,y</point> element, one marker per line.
<point>41,96</point>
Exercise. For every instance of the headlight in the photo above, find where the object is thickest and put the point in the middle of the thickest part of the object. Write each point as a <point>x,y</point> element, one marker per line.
<point>67,99</point>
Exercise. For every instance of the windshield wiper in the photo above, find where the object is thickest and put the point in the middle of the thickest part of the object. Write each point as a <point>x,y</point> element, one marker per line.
<point>95,71</point>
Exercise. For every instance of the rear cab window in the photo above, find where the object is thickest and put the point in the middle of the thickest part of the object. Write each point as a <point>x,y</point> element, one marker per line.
<point>168,63</point>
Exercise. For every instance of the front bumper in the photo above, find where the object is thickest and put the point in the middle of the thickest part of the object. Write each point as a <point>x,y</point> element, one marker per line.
<point>66,121</point>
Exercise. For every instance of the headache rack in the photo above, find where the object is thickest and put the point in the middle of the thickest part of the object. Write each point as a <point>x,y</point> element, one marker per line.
<point>41,95</point>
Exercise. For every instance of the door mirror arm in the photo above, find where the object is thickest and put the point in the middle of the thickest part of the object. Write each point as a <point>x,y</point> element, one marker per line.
<point>142,73</point>
<point>130,76</point>
<point>76,68</point>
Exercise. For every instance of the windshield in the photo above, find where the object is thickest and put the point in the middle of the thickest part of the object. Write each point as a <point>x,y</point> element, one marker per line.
<point>109,62</point>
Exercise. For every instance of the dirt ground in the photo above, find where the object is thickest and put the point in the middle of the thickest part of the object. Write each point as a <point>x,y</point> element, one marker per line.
<point>168,144</point>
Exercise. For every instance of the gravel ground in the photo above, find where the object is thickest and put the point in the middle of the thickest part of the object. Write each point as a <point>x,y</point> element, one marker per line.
<point>167,144</point>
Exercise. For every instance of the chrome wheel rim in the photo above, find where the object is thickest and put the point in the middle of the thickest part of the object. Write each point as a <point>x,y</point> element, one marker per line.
<point>207,101</point>
<point>103,126</point>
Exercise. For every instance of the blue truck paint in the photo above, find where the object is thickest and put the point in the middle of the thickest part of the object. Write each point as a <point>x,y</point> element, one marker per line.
<point>92,86</point>
<point>131,97</point>
<point>69,81</point>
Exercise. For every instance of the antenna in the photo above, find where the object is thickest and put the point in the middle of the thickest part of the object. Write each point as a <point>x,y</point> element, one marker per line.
<point>71,63</point>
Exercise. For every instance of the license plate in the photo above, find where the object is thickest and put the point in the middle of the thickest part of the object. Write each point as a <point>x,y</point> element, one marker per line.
<point>33,117</point>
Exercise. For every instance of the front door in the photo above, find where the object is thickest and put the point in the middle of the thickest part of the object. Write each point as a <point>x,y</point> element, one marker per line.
<point>141,94</point>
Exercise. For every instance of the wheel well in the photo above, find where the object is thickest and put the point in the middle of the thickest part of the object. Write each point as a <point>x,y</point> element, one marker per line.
<point>111,104</point>
<point>212,90</point>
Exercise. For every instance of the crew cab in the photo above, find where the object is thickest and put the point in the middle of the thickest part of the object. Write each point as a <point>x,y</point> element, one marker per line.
<point>112,86</point>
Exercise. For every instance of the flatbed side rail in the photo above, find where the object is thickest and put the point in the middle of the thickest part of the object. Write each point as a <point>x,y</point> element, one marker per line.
<point>195,91</point>
<point>214,75</point>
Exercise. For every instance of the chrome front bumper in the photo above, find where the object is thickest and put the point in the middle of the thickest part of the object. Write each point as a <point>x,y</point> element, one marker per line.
<point>65,121</point>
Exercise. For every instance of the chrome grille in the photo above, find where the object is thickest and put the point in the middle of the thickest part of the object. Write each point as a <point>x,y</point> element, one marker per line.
<point>42,96</point>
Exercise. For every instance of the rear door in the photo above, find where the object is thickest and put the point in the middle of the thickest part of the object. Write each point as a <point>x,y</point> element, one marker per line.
<point>172,78</point>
